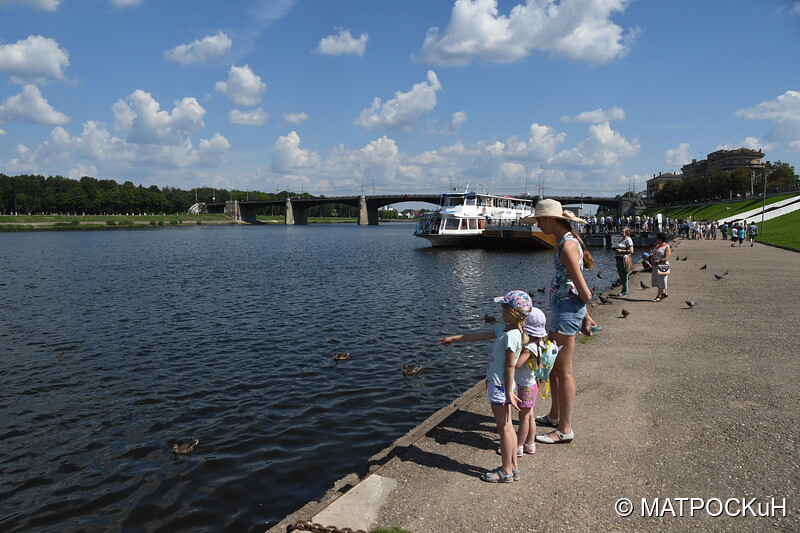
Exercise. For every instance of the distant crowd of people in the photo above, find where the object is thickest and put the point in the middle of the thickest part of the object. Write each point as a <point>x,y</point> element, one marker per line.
<point>603,224</point>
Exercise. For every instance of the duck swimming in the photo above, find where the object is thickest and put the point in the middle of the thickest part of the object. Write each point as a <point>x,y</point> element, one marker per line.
<point>185,446</point>
<point>341,356</point>
<point>409,370</point>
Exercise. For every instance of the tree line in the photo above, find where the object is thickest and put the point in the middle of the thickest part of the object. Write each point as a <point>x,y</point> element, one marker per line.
<point>56,195</point>
<point>726,185</point>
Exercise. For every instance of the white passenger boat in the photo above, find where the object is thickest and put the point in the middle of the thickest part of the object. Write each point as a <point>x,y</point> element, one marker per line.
<point>471,218</point>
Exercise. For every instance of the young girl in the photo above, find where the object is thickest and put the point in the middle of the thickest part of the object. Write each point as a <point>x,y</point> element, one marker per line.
<point>569,295</point>
<point>526,385</point>
<point>500,377</point>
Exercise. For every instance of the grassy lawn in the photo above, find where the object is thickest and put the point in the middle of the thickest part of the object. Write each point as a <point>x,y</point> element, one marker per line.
<point>783,231</point>
<point>721,211</point>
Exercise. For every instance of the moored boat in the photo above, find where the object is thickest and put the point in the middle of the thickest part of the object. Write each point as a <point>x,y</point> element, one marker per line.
<point>477,219</point>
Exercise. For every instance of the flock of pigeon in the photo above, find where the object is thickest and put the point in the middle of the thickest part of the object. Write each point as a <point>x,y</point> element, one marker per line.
<point>689,303</point>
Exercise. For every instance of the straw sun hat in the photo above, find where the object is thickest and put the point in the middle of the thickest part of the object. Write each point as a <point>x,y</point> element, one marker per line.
<point>552,209</point>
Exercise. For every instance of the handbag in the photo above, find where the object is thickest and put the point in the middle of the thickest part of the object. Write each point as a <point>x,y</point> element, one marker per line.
<point>628,263</point>
<point>662,268</point>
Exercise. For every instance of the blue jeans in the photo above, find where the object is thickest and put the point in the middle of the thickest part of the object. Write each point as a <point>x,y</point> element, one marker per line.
<point>566,316</point>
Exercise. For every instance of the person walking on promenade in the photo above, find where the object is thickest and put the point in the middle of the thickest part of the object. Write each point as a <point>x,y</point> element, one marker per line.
<point>741,234</point>
<point>752,229</point>
<point>500,376</point>
<point>734,234</point>
<point>661,254</point>
<point>622,253</point>
<point>569,295</point>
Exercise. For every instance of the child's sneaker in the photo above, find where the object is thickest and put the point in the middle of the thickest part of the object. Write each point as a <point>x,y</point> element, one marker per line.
<point>520,451</point>
<point>527,449</point>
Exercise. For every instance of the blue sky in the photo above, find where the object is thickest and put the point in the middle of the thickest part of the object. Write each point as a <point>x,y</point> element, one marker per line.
<point>335,97</point>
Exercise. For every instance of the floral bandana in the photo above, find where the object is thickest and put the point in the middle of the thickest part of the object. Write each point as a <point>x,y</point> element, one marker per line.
<point>519,301</point>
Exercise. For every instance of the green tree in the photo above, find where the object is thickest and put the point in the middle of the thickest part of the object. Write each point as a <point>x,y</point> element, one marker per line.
<point>782,176</point>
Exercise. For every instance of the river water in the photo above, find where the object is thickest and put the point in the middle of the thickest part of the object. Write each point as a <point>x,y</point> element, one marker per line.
<point>116,344</point>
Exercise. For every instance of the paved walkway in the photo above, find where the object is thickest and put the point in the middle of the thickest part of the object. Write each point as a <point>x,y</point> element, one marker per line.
<point>673,402</point>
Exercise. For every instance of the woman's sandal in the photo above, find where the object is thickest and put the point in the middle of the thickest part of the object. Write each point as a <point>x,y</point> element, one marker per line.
<point>563,438</point>
<point>502,477</point>
<point>657,299</point>
<point>664,295</point>
<point>545,420</point>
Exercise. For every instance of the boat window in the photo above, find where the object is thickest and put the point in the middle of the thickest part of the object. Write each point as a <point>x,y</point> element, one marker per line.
<point>452,201</point>
<point>470,201</point>
<point>473,223</point>
<point>451,223</point>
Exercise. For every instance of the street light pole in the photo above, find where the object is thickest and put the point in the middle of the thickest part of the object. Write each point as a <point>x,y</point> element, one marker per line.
<point>764,201</point>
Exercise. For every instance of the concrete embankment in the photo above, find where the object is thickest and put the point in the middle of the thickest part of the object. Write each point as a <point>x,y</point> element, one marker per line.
<point>673,402</point>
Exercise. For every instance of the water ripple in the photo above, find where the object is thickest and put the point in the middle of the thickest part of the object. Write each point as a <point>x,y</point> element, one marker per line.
<point>141,338</point>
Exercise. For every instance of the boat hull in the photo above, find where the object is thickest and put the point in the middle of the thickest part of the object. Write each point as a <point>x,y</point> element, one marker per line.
<point>522,237</point>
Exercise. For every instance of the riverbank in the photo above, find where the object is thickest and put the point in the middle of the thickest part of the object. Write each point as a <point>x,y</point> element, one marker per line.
<point>95,222</point>
<point>673,402</point>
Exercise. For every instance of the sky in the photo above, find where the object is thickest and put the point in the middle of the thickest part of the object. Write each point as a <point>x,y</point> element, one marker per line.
<point>343,97</point>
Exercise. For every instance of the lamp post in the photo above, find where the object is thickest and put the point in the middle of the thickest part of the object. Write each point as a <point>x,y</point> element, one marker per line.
<point>763,200</point>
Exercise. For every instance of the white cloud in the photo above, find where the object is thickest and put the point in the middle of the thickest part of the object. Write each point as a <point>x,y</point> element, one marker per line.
<point>603,149</point>
<point>80,170</point>
<point>42,5</point>
<point>112,156</point>
<point>253,117</point>
<point>783,116</point>
<point>297,119</point>
<point>459,117</point>
<point>795,9</point>
<point>597,116</point>
<point>287,155</point>
<point>33,58</point>
<point>30,106</point>
<point>579,30</point>
<point>145,122</point>
<point>402,111</point>
<point>343,43</point>
<point>209,49</point>
<point>540,146</point>
<point>678,156</point>
<point>126,3</point>
<point>244,87</point>
<point>378,163</point>
<point>2,131</point>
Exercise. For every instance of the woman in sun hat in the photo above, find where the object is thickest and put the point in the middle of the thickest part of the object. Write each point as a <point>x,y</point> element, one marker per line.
<point>569,295</point>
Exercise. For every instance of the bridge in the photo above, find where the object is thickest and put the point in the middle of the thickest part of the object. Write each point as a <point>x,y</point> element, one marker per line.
<point>368,206</point>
